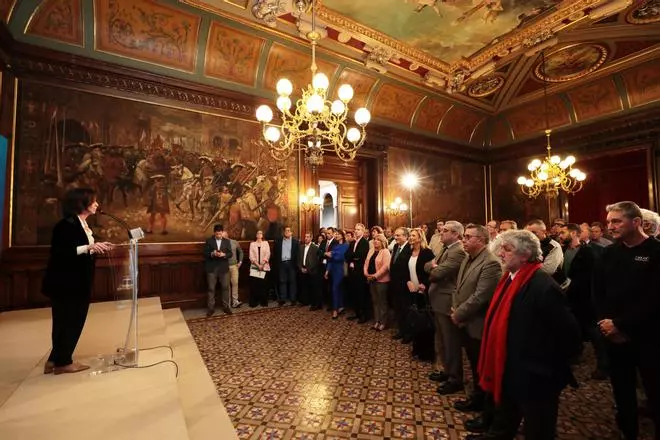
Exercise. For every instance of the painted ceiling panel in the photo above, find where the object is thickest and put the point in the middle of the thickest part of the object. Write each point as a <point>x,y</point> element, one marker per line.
<point>395,103</point>
<point>148,31</point>
<point>430,114</point>
<point>59,20</point>
<point>460,123</point>
<point>643,83</point>
<point>362,85</point>
<point>596,99</point>
<point>530,119</point>
<point>284,62</point>
<point>232,55</point>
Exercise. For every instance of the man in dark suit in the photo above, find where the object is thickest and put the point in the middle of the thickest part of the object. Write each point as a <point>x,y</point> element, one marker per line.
<point>398,291</point>
<point>217,252</point>
<point>529,340</point>
<point>285,259</point>
<point>579,263</point>
<point>310,276</point>
<point>326,246</point>
<point>355,257</point>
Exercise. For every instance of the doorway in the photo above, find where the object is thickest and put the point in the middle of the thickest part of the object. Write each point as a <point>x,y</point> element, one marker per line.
<point>329,195</point>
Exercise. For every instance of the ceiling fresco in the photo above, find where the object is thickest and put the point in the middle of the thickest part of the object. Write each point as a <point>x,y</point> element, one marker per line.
<point>465,71</point>
<point>447,30</point>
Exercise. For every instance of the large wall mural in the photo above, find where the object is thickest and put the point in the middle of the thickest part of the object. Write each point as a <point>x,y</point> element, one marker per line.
<point>448,189</point>
<point>173,172</point>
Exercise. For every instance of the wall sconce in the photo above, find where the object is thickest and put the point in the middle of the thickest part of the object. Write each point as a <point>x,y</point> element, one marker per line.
<point>310,202</point>
<point>396,208</point>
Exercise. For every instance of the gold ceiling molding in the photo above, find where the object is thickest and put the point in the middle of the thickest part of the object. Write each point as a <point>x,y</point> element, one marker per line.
<point>345,23</point>
<point>523,38</point>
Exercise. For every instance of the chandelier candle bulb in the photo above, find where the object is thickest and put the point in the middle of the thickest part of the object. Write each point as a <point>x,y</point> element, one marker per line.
<point>362,116</point>
<point>338,107</point>
<point>283,103</point>
<point>320,82</point>
<point>284,87</point>
<point>353,134</point>
<point>272,134</point>
<point>264,114</point>
<point>345,93</point>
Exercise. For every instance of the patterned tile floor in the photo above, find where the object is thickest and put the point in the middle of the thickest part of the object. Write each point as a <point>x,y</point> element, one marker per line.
<point>289,373</point>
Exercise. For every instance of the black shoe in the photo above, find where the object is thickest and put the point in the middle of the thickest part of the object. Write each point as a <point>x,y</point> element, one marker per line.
<point>450,387</point>
<point>439,376</point>
<point>397,336</point>
<point>264,304</point>
<point>281,303</point>
<point>228,311</point>
<point>478,424</point>
<point>209,313</point>
<point>469,404</point>
<point>252,306</point>
<point>353,317</point>
<point>406,340</point>
<point>362,320</point>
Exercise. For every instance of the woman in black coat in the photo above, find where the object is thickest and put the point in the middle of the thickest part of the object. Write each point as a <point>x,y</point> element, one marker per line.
<point>69,278</point>
<point>423,340</point>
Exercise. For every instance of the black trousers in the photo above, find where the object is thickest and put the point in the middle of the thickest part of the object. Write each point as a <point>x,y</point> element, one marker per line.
<point>402,299</point>
<point>538,410</point>
<point>472,348</point>
<point>358,292</point>
<point>310,289</point>
<point>259,291</point>
<point>69,316</point>
<point>625,360</point>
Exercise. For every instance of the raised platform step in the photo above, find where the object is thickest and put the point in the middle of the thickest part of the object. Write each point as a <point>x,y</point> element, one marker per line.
<point>203,409</point>
<point>136,403</point>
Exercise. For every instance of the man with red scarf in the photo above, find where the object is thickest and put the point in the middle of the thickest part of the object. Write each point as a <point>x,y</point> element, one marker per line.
<point>529,339</point>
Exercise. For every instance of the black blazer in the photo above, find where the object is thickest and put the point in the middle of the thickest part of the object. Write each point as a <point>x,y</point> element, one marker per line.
<point>542,339</point>
<point>323,248</point>
<point>399,273</point>
<point>68,274</point>
<point>277,251</point>
<point>211,264</point>
<point>425,255</point>
<point>578,293</point>
<point>312,263</point>
<point>358,256</point>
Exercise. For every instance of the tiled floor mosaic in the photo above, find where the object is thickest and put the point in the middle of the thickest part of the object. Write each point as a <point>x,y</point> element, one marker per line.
<point>290,373</point>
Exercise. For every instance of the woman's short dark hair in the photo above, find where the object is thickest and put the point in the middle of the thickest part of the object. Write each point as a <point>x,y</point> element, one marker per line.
<point>342,233</point>
<point>77,200</point>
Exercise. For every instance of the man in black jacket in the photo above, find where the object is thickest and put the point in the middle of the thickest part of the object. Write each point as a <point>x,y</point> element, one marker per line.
<point>529,338</point>
<point>217,252</point>
<point>578,266</point>
<point>398,292</point>
<point>357,283</point>
<point>310,276</point>
<point>627,298</point>
<point>326,246</point>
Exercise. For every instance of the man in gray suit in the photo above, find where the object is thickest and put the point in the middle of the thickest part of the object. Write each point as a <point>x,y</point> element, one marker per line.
<point>310,275</point>
<point>217,252</point>
<point>477,279</point>
<point>442,275</point>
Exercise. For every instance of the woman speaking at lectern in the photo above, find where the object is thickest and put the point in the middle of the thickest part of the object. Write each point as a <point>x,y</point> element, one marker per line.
<point>69,277</point>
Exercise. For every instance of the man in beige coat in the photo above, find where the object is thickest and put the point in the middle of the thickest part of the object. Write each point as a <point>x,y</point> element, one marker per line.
<point>477,279</point>
<point>442,275</point>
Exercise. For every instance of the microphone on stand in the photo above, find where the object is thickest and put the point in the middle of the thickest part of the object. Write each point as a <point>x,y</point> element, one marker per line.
<point>133,234</point>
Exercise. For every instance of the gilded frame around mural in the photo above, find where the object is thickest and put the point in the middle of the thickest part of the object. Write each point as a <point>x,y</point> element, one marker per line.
<point>630,16</point>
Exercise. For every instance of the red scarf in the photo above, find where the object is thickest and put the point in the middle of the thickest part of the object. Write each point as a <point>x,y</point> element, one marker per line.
<point>492,358</point>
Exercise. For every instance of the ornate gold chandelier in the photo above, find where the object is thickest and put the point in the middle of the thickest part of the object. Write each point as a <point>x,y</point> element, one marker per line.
<point>552,174</point>
<point>397,208</point>
<point>316,124</point>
